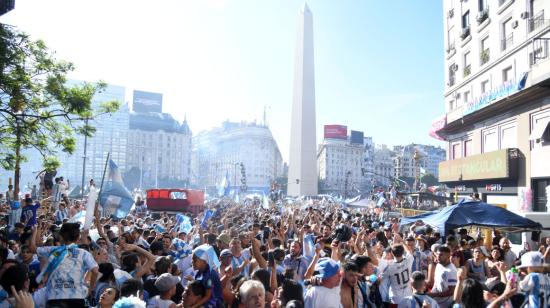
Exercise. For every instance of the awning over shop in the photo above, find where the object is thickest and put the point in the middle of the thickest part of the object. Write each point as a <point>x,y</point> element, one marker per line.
<point>473,213</point>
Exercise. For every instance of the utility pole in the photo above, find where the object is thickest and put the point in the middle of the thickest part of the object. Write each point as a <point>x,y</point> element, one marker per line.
<point>84,159</point>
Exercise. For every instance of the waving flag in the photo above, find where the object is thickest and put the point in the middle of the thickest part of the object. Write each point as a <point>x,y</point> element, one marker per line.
<point>225,186</point>
<point>183,223</point>
<point>115,198</point>
<point>182,249</point>
<point>207,215</point>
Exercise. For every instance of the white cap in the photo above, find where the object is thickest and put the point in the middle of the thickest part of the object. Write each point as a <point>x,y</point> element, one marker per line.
<point>531,259</point>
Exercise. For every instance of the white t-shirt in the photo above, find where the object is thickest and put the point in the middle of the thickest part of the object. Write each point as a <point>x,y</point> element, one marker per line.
<point>444,277</point>
<point>538,293</point>
<point>319,296</point>
<point>398,276</point>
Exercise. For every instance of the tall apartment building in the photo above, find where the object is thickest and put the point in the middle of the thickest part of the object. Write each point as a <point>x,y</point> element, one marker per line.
<point>428,157</point>
<point>497,101</point>
<point>341,160</point>
<point>219,152</point>
<point>110,137</point>
<point>384,166</point>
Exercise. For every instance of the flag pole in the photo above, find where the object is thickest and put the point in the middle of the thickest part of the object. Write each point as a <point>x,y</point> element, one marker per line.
<point>102,180</point>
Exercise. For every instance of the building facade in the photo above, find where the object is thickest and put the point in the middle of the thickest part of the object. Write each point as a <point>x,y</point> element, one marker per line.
<point>159,151</point>
<point>428,159</point>
<point>384,166</point>
<point>110,137</point>
<point>341,165</point>
<point>497,101</point>
<point>243,154</point>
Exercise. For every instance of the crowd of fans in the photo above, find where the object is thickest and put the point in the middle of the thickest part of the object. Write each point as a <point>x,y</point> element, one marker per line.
<point>309,253</point>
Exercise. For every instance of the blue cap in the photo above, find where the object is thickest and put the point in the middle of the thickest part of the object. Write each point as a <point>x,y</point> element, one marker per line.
<point>326,268</point>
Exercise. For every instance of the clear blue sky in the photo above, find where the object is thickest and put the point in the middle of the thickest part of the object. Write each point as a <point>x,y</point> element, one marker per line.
<point>379,64</point>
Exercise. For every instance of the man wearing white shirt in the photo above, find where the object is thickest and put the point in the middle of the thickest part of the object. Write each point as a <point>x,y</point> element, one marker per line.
<point>444,278</point>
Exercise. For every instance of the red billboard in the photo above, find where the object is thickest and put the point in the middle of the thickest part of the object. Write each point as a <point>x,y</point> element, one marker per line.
<point>336,131</point>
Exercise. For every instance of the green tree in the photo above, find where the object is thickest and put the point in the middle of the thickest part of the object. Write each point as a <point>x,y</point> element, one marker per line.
<point>38,110</point>
<point>429,179</point>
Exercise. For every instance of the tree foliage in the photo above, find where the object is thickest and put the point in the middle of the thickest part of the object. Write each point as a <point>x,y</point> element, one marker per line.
<point>38,109</point>
<point>429,179</point>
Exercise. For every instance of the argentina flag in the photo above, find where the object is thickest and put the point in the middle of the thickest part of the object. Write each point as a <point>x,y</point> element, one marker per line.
<point>115,199</point>
<point>225,186</point>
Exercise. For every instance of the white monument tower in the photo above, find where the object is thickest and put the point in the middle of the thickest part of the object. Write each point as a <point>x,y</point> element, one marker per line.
<point>302,171</point>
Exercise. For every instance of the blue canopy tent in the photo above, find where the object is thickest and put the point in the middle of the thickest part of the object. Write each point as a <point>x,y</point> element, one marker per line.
<point>474,213</point>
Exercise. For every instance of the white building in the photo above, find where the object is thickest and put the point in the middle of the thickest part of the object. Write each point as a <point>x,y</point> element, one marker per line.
<point>302,173</point>
<point>429,158</point>
<point>497,101</point>
<point>368,163</point>
<point>159,151</point>
<point>340,166</point>
<point>218,154</point>
<point>110,137</point>
<point>384,167</point>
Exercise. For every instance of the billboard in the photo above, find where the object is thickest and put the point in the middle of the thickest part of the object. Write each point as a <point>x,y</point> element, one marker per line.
<point>336,131</point>
<point>356,137</point>
<point>147,101</point>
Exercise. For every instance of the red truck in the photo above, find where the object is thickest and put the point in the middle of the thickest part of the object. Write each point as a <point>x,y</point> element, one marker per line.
<point>175,200</point>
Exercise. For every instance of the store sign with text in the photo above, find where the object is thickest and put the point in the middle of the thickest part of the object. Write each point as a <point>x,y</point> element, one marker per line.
<point>502,91</point>
<point>493,187</point>
<point>492,165</point>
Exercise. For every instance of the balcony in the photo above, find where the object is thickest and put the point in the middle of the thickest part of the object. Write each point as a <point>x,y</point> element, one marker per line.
<point>482,16</point>
<point>465,32</point>
<point>537,22</point>
<point>484,56</point>
<point>451,81</point>
<point>507,42</point>
<point>539,51</point>
<point>467,70</point>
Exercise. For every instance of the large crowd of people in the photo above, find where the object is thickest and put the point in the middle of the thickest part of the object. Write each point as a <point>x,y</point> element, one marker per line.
<point>307,253</point>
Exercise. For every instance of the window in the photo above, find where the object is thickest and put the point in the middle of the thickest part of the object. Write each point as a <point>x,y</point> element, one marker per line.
<point>452,70</point>
<point>507,35</point>
<point>484,54</point>
<point>507,74</point>
<point>467,66</point>
<point>468,147</point>
<point>466,97</point>
<point>485,86</point>
<point>456,151</point>
<point>508,136</point>
<point>466,20</point>
<point>490,141</point>
<point>482,5</point>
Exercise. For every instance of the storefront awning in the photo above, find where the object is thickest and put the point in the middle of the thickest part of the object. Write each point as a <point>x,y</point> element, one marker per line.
<point>539,129</point>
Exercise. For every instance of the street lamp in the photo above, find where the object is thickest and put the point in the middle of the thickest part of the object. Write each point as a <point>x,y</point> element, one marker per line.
<point>416,158</point>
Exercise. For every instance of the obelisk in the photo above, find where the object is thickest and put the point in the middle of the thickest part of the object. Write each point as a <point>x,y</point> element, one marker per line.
<point>302,170</point>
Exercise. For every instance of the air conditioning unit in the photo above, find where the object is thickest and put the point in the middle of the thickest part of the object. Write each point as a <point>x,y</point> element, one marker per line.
<point>514,24</point>
<point>451,13</point>
<point>454,67</point>
<point>524,15</point>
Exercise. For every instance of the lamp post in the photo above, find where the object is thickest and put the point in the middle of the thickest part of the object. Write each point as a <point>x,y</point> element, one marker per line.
<point>84,159</point>
<point>416,158</point>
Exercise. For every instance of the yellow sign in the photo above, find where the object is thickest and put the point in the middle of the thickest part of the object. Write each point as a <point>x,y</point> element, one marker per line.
<point>492,165</point>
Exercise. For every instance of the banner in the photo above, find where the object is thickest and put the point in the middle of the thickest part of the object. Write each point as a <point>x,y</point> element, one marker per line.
<point>90,208</point>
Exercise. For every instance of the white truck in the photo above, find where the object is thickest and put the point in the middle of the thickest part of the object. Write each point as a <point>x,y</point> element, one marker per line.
<point>518,239</point>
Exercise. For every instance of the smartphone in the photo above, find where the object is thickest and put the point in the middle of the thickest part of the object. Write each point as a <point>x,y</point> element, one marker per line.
<point>267,231</point>
<point>270,257</point>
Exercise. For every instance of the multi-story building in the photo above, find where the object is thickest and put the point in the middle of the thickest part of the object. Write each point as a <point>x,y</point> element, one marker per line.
<point>368,163</point>
<point>384,167</point>
<point>110,137</point>
<point>428,159</point>
<point>497,101</point>
<point>245,154</point>
<point>341,161</point>
<point>159,150</point>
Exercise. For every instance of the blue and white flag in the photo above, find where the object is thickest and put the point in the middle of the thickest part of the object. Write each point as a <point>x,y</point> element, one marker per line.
<point>182,249</point>
<point>183,224</point>
<point>158,228</point>
<point>225,186</point>
<point>207,215</point>
<point>115,198</point>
